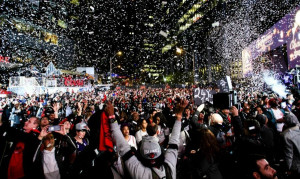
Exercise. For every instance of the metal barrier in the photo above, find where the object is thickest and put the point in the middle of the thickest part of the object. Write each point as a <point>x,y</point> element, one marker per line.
<point>22,81</point>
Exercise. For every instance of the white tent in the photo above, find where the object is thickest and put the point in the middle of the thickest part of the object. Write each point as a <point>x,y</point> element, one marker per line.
<point>51,70</point>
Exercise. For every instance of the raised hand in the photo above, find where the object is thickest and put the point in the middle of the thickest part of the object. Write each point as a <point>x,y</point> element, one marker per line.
<point>109,109</point>
<point>234,111</point>
<point>62,130</point>
<point>180,108</point>
<point>56,107</point>
<point>43,133</point>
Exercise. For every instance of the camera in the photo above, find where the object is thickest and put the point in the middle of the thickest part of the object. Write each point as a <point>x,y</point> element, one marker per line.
<point>54,128</point>
<point>224,127</point>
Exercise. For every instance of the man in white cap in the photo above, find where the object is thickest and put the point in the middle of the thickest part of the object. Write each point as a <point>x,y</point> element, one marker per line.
<point>152,162</point>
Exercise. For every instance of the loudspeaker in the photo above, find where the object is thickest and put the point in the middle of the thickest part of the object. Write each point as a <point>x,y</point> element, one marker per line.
<point>222,100</point>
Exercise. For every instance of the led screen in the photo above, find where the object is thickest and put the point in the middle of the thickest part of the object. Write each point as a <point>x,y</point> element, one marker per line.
<point>286,31</point>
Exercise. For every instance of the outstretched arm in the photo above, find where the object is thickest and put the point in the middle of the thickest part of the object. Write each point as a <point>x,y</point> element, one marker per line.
<point>194,122</point>
<point>134,166</point>
<point>172,152</point>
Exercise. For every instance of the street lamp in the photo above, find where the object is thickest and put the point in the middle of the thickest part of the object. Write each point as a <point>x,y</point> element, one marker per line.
<point>119,53</point>
<point>180,51</point>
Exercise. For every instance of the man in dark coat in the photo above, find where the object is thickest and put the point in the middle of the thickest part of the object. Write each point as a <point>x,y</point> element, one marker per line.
<point>17,149</point>
<point>101,145</point>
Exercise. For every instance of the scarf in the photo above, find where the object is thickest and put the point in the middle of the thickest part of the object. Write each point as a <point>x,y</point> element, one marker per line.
<point>105,142</point>
<point>15,168</point>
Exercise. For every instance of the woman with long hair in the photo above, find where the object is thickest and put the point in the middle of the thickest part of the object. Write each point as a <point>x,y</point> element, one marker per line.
<point>203,155</point>
<point>143,130</point>
<point>163,131</point>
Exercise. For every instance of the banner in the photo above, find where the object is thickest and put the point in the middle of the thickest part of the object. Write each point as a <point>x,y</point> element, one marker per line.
<point>225,85</point>
<point>203,95</point>
<point>73,82</point>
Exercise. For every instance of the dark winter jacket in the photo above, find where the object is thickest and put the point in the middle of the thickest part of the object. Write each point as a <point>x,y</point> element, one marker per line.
<point>8,141</point>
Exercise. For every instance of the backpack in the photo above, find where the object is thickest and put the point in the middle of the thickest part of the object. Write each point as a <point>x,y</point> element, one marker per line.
<point>167,169</point>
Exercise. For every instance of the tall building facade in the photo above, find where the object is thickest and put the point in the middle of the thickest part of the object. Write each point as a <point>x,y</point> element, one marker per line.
<point>37,32</point>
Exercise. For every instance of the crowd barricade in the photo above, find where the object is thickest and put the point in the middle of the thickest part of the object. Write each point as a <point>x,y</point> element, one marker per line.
<point>146,86</point>
<point>22,85</point>
<point>18,81</point>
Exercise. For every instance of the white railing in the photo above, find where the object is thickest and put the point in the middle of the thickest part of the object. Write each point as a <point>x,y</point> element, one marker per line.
<point>22,81</point>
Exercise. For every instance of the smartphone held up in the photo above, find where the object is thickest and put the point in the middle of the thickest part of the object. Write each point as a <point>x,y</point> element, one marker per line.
<point>54,128</point>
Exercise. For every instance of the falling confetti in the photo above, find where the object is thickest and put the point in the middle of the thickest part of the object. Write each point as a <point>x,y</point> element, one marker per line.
<point>88,33</point>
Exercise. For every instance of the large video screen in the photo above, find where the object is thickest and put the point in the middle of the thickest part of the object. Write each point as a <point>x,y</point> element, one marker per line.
<point>286,31</point>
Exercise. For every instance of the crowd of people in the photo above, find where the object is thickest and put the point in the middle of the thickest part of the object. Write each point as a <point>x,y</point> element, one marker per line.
<point>148,133</point>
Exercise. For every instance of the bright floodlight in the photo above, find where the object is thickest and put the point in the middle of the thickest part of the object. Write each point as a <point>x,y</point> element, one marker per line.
<point>178,50</point>
<point>119,53</point>
<point>297,18</point>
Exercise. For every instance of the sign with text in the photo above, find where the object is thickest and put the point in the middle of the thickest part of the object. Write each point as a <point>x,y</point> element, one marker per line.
<point>4,59</point>
<point>203,95</point>
<point>73,82</point>
<point>225,85</point>
<point>286,31</point>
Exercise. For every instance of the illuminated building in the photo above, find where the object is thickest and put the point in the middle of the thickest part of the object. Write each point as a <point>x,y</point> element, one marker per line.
<point>36,32</point>
<point>89,32</point>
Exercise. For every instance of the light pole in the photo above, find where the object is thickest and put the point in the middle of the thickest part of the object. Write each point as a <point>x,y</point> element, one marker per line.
<point>180,51</point>
<point>119,53</point>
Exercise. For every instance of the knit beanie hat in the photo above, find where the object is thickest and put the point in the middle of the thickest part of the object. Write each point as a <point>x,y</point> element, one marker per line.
<point>150,148</point>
